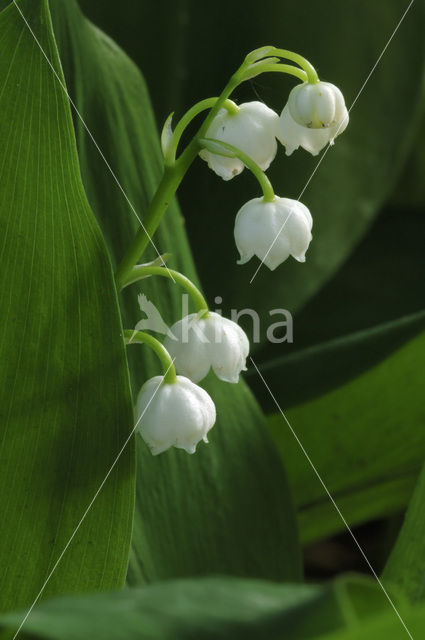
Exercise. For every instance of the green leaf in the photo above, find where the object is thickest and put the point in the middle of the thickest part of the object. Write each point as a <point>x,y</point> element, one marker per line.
<point>208,609</point>
<point>364,438</point>
<point>406,564</point>
<point>381,498</point>
<point>385,627</point>
<point>376,286</point>
<point>64,392</point>
<point>328,365</point>
<point>355,177</point>
<point>192,512</point>
<point>409,191</point>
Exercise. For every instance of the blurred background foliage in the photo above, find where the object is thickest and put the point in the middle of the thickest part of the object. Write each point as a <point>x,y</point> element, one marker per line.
<point>352,379</point>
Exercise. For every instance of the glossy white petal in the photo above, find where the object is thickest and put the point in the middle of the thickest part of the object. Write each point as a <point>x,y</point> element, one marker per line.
<point>252,130</point>
<point>228,347</point>
<point>186,343</point>
<point>202,343</point>
<point>273,231</point>
<point>314,115</point>
<point>174,415</point>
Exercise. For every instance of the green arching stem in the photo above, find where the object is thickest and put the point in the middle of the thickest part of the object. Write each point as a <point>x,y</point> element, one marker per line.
<point>197,108</point>
<point>167,187</point>
<point>311,72</point>
<point>263,180</point>
<point>174,173</point>
<point>140,337</point>
<point>283,68</point>
<point>141,271</point>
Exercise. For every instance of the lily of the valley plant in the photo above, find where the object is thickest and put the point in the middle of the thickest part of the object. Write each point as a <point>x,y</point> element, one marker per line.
<point>172,410</point>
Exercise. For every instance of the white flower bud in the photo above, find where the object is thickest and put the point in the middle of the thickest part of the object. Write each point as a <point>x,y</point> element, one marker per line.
<point>273,231</point>
<point>313,116</point>
<point>212,341</point>
<point>252,130</point>
<point>174,415</point>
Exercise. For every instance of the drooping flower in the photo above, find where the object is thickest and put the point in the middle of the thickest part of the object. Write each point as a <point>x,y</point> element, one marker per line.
<point>200,343</point>
<point>179,414</point>
<point>313,116</point>
<point>273,231</point>
<point>252,129</point>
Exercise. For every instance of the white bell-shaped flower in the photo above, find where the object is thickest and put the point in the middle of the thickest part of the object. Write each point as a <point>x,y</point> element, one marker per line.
<point>179,414</point>
<point>313,116</point>
<point>200,343</point>
<point>273,231</point>
<point>252,129</point>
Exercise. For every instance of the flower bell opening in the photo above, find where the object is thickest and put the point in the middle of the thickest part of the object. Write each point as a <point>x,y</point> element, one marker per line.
<point>273,231</point>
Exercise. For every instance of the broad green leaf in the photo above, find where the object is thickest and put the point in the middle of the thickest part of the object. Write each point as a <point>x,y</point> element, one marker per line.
<point>207,609</point>
<point>326,366</point>
<point>187,53</point>
<point>226,509</point>
<point>385,627</point>
<point>65,399</point>
<point>381,499</point>
<point>406,564</point>
<point>410,190</point>
<point>366,440</point>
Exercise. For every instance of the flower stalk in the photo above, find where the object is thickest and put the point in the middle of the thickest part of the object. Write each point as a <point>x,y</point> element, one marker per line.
<point>229,151</point>
<point>140,337</point>
<point>310,71</point>
<point>141,271</point>
<point>265,67</point>
<point>199,107</point>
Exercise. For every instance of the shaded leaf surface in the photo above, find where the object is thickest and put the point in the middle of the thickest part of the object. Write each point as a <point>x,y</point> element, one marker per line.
<point>406,564</point>
<point>314,371</point>
<point>65,403</point>
<point>366,436</point>
<point>378,284</point>
<point>374,290</point>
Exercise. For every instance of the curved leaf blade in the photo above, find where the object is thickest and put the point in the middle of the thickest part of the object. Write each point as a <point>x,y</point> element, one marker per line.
<point>65,400</point>
<point>331,364</point>
<point>366,435</point>
<point>210,609</point>
<point>406,564</point>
